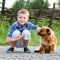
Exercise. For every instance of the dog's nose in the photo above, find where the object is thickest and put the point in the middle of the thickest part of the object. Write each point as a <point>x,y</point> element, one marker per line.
<point>38,33</point>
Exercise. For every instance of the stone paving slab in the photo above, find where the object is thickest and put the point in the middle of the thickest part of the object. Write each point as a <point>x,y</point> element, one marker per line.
<point>18,54</point>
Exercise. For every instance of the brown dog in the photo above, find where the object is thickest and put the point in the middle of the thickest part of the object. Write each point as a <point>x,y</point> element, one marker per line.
<point>48,41</point>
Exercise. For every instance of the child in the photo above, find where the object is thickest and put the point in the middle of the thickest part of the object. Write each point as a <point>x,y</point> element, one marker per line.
<point>19,34</point>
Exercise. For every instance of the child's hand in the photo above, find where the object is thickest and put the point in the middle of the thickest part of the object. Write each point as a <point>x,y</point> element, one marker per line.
<point>20,36</point>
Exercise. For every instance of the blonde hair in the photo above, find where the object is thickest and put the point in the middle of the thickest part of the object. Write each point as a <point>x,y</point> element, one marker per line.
<point>23,11</point>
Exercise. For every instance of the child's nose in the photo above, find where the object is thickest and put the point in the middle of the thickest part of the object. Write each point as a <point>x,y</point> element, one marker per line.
<point>22,18</point>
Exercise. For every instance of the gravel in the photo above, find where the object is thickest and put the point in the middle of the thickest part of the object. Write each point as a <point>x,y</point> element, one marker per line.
<point>18,54</point>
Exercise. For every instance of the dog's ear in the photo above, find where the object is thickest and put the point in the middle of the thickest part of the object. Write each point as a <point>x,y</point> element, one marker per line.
<point>48,31</point>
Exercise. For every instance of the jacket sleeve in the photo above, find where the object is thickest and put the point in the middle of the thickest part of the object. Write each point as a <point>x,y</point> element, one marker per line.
<point>12,28</point>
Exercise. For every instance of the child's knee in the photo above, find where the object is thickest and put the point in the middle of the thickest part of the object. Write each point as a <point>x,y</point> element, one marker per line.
<point>26,34</point>
<point>15,34</point>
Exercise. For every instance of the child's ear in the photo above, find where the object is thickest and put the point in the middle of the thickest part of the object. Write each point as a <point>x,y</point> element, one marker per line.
<point>28,18</point>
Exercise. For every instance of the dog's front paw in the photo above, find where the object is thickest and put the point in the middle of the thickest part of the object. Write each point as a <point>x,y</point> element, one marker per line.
<point>36,51</point>
<point>42,51</point>
<point>51,52</point>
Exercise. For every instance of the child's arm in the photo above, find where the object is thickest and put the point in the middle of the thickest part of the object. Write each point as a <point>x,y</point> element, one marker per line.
<point>11,40</point>
<point>34,27</point>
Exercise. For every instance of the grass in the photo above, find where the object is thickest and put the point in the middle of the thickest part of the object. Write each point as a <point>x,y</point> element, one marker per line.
<point>35,39</point>
<point>4,27</point>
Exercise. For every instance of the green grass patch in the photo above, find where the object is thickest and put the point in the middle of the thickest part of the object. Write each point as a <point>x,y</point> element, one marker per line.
<point>35,39</point>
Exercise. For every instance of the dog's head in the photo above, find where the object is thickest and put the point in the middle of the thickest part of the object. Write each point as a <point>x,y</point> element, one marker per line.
<point>44,31</point>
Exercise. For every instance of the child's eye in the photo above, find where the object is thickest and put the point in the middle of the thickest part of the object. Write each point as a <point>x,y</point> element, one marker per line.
<point>20,17</point>
<point>24,17</point>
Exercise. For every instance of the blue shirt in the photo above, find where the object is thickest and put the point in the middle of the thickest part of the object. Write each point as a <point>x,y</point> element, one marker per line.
<point>16,26</point>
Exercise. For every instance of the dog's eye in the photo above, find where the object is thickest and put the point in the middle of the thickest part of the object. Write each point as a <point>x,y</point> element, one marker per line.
<point>47,30</point>
<point>41,30</point>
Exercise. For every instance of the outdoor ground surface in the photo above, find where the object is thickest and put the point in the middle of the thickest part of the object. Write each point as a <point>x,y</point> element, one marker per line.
<point>18,54</point>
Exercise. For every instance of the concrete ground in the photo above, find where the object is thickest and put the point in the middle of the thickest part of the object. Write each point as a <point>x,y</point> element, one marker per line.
<point>18,54</point>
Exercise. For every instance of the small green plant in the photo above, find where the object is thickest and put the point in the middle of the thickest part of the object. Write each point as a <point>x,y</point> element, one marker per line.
<point>4,27</point>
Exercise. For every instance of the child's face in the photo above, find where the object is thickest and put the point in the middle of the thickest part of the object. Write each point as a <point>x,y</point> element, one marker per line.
<point>22,19</point>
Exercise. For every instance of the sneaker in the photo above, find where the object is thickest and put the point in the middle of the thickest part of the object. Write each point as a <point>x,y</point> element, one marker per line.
<point>26,50</point>
<point>10,50</point>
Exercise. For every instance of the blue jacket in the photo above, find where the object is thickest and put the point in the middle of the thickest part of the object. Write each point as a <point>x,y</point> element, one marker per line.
<point>16,26</point>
